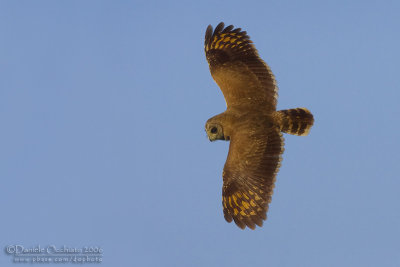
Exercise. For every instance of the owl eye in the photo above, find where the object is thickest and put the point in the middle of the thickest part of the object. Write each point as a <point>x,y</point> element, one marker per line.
<point>214,130</point>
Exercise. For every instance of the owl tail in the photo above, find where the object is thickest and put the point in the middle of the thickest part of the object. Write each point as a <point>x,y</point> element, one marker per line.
<point>297,121</point>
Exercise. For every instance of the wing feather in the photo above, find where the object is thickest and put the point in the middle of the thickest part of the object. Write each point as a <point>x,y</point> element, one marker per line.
<point>237,68</point>
<point>249,175</point>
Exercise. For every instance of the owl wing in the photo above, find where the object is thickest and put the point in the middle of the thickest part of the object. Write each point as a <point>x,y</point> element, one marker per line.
<point>249,175</point>
<point>237,68</point>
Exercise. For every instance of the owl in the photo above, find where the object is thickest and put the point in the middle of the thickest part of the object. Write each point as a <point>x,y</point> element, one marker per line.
<point>250,123</point>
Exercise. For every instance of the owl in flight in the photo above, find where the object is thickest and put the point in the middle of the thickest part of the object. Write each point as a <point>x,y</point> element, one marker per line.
<point>251,123</point>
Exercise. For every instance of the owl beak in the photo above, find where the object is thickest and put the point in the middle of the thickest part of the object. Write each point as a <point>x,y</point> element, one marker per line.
<point>211,140</point>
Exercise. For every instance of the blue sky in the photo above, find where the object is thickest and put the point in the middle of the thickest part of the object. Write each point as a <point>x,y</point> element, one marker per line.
<point>102,141</point>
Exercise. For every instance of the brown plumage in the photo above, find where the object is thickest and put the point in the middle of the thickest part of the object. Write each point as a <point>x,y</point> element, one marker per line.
<point>250,122</point>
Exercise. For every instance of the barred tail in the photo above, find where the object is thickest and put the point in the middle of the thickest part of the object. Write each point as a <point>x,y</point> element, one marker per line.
<point>297,121</point>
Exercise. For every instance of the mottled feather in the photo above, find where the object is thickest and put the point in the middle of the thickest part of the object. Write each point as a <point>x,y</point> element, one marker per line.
<point>237,68</point>
<point>249,175</point>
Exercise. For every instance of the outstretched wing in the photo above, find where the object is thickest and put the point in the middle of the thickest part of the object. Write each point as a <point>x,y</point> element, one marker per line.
<point>237,69</point>
<point>249,176</point>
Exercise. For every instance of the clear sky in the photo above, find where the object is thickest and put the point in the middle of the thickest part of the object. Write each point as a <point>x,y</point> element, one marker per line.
<point>102,141</point>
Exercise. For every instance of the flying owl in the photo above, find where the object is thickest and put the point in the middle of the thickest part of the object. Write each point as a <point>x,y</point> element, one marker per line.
<point>251,123</point>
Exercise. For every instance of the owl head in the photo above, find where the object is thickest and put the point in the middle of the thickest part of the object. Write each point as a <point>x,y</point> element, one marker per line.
<point>214,131</point>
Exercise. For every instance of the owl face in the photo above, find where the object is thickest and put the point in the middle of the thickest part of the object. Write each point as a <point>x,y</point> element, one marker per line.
<point>214,131</point>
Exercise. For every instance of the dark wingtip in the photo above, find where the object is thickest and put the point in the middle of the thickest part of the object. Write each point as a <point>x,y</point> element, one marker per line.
<point>228,29</point>
<point>222,29</point>
<point>210,32</point>
<point>219,27</point>
<point>208,36</point>
<point>250,223</point>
